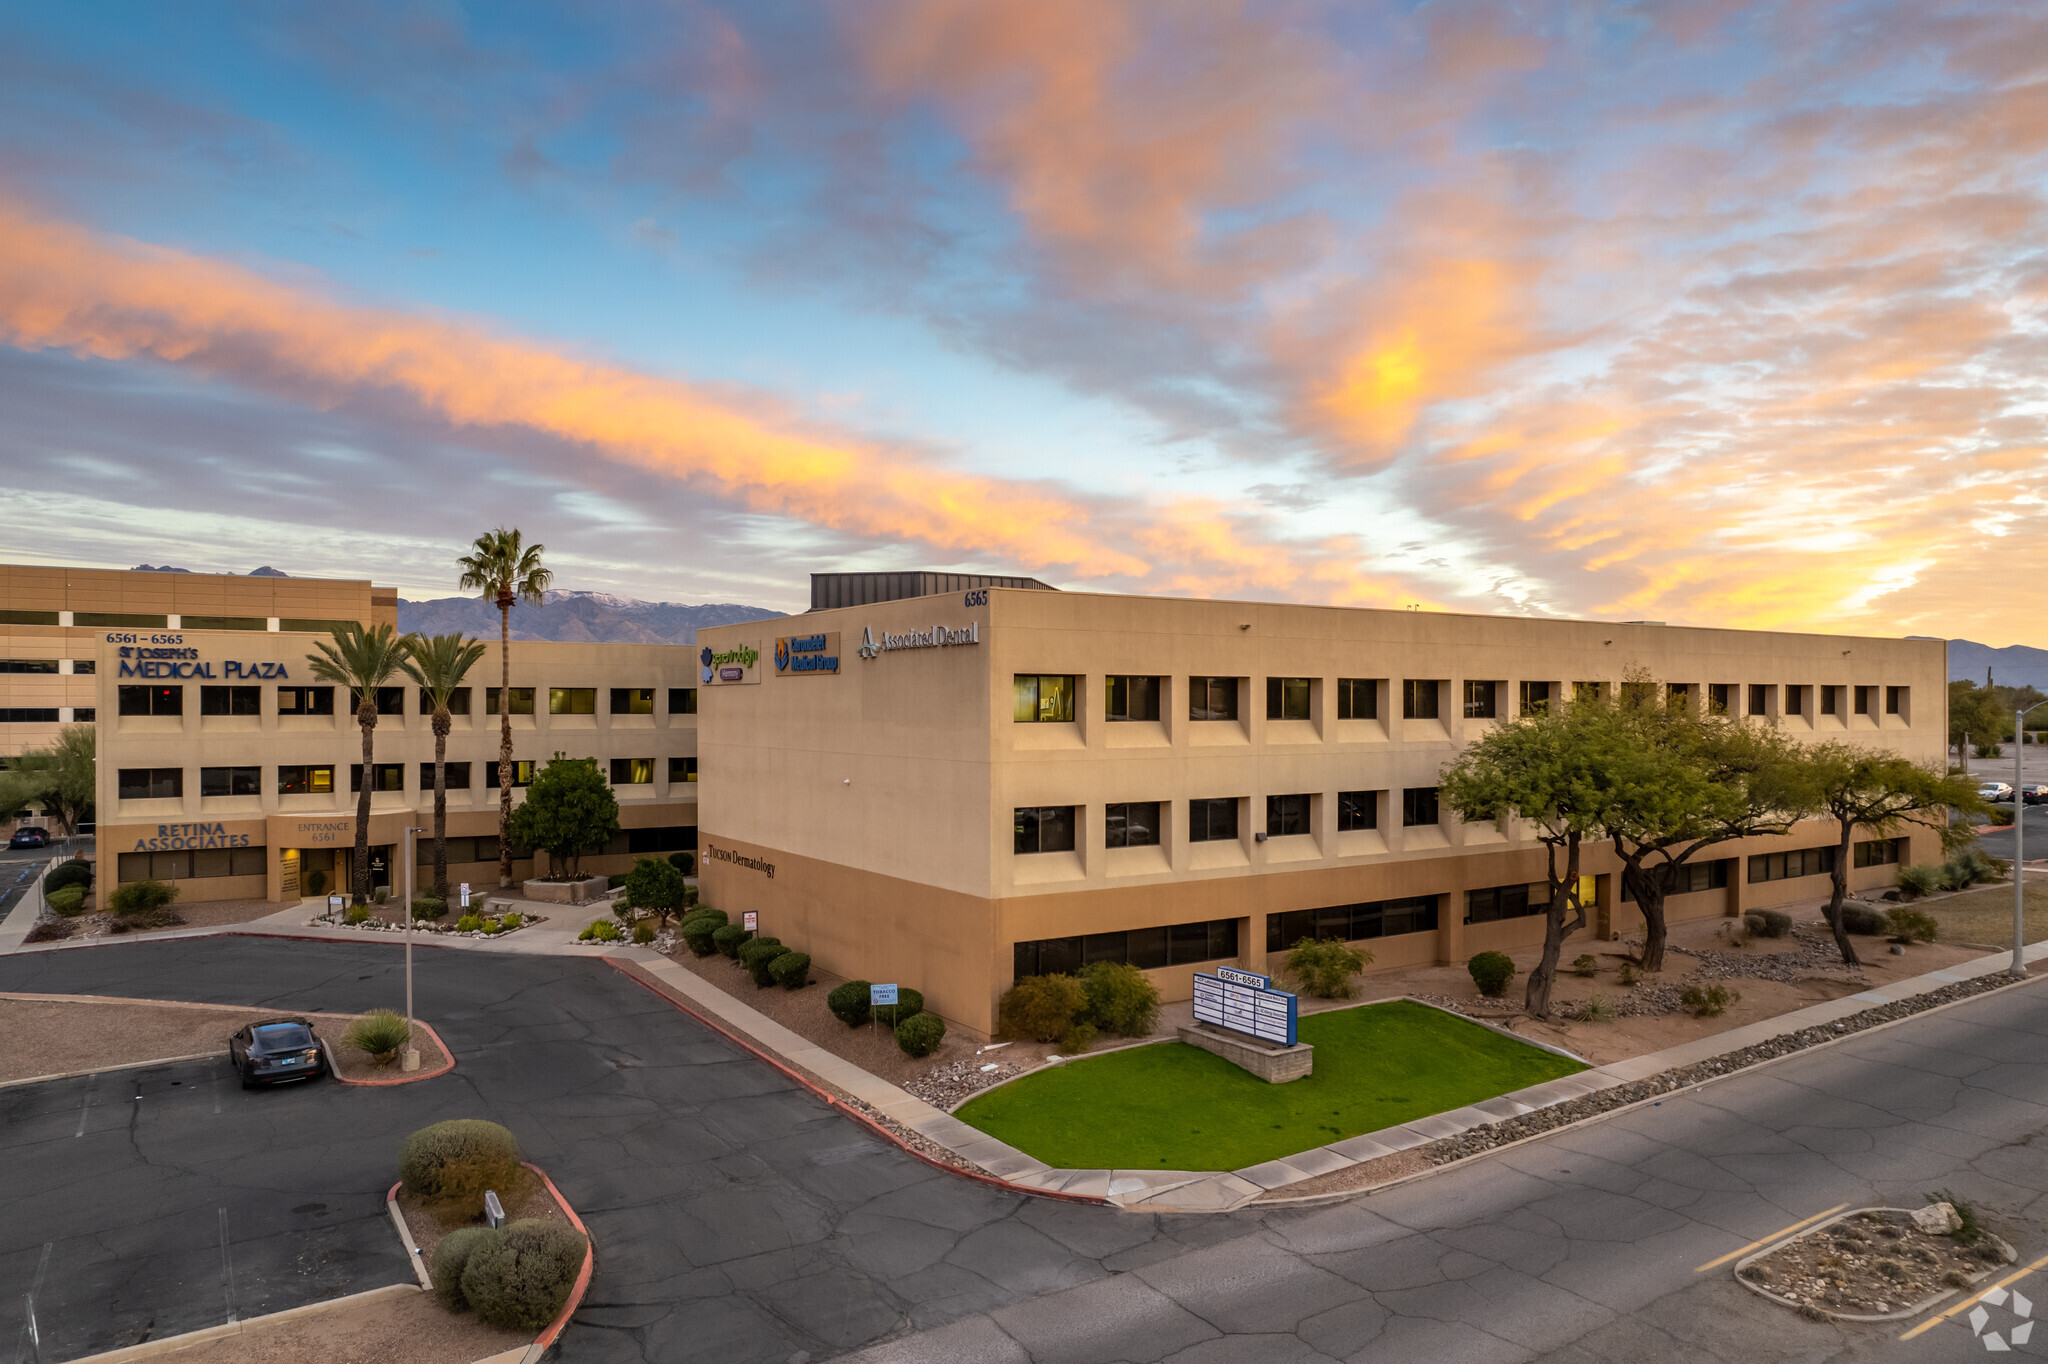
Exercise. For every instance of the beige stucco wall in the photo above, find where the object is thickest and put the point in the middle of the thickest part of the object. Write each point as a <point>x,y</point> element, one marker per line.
<point>903,771</point>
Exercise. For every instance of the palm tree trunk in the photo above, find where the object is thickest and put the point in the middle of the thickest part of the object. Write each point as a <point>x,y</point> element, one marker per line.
<point>504,740</point>
<point>441,726</point>
<point>359,867</point>
<point>1838,891</point>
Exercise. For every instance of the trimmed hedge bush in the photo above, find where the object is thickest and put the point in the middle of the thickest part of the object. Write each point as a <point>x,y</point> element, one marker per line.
<point>520,1277</point>
<point>451,1256</point>
<point>729,938</point>
<point>1768,923</point>
<point>427,907</point>
<point>66,900</point>
<point>458,1160</point>
<point>140,897</point>
<point>1121,998</point>
<point>615,880</point>
<point>380,1034</point>
<point>1042,1008</point>
<point>717,916</point>
<point>1862,919</point>
<point>1078,1038</point>
<point>849,1003</point>
<point>757,965</point>
<point>791,970</point>
<point>920,1034</point>
<point>756,947</point>
<point>1491,972</point>
<point>684,862</point>
<point>909,1003</point>
<point>76,872</point>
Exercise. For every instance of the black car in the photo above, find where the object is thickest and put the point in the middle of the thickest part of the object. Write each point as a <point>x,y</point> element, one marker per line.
<point>29,836</point>
<point>2034,793</point>
<point>276,1050</point>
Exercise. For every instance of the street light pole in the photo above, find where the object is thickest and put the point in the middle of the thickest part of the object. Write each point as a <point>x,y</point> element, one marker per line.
<point>412,1054</point>
<point>2019,836</point>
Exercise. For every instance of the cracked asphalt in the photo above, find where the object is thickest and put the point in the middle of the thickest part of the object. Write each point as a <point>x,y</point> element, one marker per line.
<point>738,1218</point>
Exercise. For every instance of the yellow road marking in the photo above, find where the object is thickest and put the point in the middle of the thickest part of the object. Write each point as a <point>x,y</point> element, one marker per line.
<point>1966,1303</point>
<point>1782,1231</point>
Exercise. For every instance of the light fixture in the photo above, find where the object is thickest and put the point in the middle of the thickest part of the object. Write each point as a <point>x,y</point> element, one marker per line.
<point>1246,626</point>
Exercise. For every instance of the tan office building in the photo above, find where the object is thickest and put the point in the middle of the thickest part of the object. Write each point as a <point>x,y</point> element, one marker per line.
<point>225,766</point>
<point>51,619</point>
<point>994,782</point>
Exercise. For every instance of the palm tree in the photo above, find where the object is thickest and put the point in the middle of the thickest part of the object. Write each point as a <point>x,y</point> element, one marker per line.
<point>362,660</point>
<point>504,572</point>
<point>439,663</point>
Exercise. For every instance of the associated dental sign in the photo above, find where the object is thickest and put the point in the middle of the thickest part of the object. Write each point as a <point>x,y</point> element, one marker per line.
<point>807,655</point>
<point>729,667</point>
<point>938,637</point>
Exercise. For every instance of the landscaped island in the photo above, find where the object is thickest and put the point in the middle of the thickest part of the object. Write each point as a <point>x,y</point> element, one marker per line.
<point>1169,1106</point>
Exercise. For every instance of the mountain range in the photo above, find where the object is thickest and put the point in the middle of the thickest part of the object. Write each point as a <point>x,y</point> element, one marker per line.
<point>2018,665</point>
<point>577,617</point>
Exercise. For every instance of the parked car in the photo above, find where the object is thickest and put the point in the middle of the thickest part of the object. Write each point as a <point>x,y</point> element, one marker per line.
<point>1994,791</point>
<point>29,836</point>
<point>276,1050</point>
<point>2034,793</point>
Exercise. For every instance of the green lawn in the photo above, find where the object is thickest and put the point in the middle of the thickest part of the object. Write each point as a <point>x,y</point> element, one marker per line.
<point>1170,1106</point>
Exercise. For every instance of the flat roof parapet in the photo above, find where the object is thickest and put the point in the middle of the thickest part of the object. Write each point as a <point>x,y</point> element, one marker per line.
<point>829,590</point>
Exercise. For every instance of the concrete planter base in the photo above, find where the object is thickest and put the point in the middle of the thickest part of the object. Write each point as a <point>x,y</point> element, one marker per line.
<point>565,892</point>
<point>1274,1065</point>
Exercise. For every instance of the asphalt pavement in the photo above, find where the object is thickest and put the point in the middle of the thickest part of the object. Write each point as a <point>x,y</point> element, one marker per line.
<point>1999,842</point>
<point>738,1218</point>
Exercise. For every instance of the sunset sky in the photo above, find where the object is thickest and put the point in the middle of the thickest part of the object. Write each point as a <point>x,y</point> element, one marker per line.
<point>1715,313</point>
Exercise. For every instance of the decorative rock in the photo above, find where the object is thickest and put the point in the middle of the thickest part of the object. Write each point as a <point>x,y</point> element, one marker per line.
<point>2003,1248</point>
<point>1940,1219</point>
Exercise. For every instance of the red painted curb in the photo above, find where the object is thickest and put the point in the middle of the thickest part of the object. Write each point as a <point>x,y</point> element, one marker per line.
<point>447,1053</point>
<point>561,1323</point>
<point>844,1107</point>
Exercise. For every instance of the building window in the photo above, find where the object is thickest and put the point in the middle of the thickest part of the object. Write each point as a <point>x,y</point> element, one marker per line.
<point>522,774</point>
<point>458,701</point>
<point>1866,698</point>
<point>28,617</point>
<point>682,769</point>
<point>1419,699</point>
<point>1895,700</point>
<point>192,866</point>
<point>1790,866</point>
<point>1357,810</point>
<point>1286,816</point>
<point>1131,698</point>
<point>1350,923</point>
<point>1132,824</point>
<point>34,715</point>
<point>1690,878</point>
<point>152,700</point>
<point>455,777</point>
<point>632,771</point>
<point>305,781</point>
<point>632,700</point>
<point>305,700</point>
<point>572,700</point>
<point>1830,701</point>
<point>388,700</point>
<point>1044,829</point>
<point>383,777</point>
<point>1759,699</point>
<point>1358,698</point>
<point>1212,821</point>
<point>1535,698</point>
<point>1589,691</point>
<point>682,700</point>
<point>308,625</point>
<point>1720,698</point>
<point>1145,948</point>
<point>1043,699</point>
<point>28,665</point>
<point>230,781</point>
<point>1212,698</point>
<point>84,715</point>
<point>151,783</point>
<point>1795,700</point>
<point>1507,902</point>
<point>84,667</point>
<point>522,700</point>
<point>1418,806</point>
<point>1287,698</point>
<point>483,849</point>
<point>224,622</point>
<point>115,620</point>
<point>231,700</point>
<point>1880,852</point>
<point>1678,694</point>
<point>669,838</point>
<point>1480,700</point>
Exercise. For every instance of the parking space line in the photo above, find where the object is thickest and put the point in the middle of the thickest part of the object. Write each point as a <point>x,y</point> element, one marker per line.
<point>227,1268</point>
<point>83,1106</point>
<point>1741,1251</point>
<point>1966,1303</point>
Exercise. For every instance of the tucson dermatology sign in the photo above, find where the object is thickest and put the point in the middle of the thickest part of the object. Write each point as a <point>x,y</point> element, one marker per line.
<point>1245,1002</point>
<point>807,655</point>
<point>938,637</point>
<point>733,665</point>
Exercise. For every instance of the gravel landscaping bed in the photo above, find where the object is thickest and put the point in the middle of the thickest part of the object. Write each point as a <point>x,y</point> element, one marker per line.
<point>412,1327</point>
<point>1814,955</point>
<point>945,1086</point>
<point>429,1222</point>
<point>376,925</point>
<point>1876,1263</point>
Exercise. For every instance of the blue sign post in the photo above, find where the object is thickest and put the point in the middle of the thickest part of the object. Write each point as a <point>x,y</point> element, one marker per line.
<point>879,995</point>
<point>1246,1002</point>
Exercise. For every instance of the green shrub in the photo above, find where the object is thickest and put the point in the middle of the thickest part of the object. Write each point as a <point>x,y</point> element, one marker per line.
<point>493,927</point>
<point>468,923</point>
<point>457,1161</point>
<point>729,938</point>
<point>380,895</point>
<point>1491,972</point>
<point>1919,879</point>
<point>427,907</point>
<point>1325,966</point>
<point>908,1003</point>
<point>600,930</point>
<point>1916,924</point>
<point>1121,998</point>
<point>1626,975</point>
<point>1041,1008</point>
<point>1597,1009</point>
<point>716,916</point>
<point>1861,919</point>
<point>139,897</point>
<point>758,962</point>
<point>849,1003</point>
<point>65,900</point>
<point>358,914</point>
<point>1585,965</point>
<point>1708,1001</point>
<point>316,882</point>
<point>614,880</point>
<point>76,872</point>
<point>684,862</point>
<point>379,1034</point>
<point>520,1278</point>
<point>1077,1038</point>
<point>696,935</point>
<point>756,947</point>
<point>643,934</point>
<point>451,1254</point>
<point>791,970</point>
<point>1768,923</point>
<point>512,920</point>
<point>920,1034</point>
